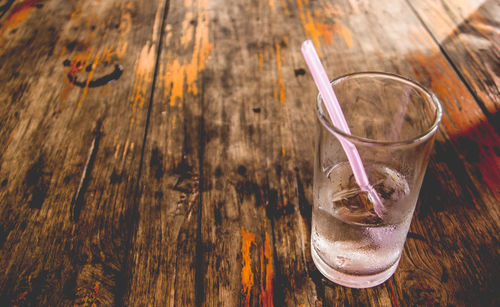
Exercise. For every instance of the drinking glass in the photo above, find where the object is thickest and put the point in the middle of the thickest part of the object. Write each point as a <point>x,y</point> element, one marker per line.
<point>392,122</point>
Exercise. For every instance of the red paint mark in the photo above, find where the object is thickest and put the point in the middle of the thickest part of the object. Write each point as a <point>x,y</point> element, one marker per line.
<point>21,298</point>
<point>489,162</point>
<point>90,296</point>
<point>461,114</point>
<point>95,292</point>
<point>19,14</point>
<point>247,239</point>
<point>74,67</point>
<point>394,299</point>
<point>266,269</point>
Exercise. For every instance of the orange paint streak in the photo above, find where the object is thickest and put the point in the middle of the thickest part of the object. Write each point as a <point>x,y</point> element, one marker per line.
<point>284,5</point>
<point>74,14</point>
<point>63,51</point>
<point>107,54</point>
<point>247,239</point>
<point>266,269</point>
<point>86,87</point>
<point>19,14</point>
<point>316,29</point>
<point>308,23</point>
<point>9,139</point>
<point>144,69</point>
<point>327,32</point>
<point>261,60</point>
<point>280,77</point>
<point>465,72</point>
<point>343,32</point>
<point>131,123</point>
<point>181,74</point>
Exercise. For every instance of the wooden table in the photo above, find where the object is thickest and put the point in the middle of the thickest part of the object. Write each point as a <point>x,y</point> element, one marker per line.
<point>160,152</point>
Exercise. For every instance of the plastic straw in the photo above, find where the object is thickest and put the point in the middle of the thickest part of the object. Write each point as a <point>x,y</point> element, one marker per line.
<point>337,116</point>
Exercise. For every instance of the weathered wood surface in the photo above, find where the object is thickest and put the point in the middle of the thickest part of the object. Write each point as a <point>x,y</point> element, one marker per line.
<point>468,33</point>
<point>71,146</point>
<point>188,180</point>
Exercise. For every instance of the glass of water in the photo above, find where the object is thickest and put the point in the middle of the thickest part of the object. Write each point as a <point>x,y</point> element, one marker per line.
<point>392,123</point>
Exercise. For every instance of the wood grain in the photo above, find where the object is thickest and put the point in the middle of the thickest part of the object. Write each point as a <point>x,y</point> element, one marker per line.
<point>160,153</point>
<point>74,144</point>
<point>163,255</point>
<point>469,35</point>
<point>249,199</point>
<point>467,31</point>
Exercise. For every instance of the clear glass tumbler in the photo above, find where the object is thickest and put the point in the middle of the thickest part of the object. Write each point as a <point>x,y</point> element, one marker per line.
<point>392,123</point>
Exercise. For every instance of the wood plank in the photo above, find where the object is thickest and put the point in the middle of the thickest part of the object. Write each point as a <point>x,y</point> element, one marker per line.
<point>74,141</point>
<point>253,252</point>
<point>468,31</point>
<point>389,37</point>
<point>355,36</point>
<point>164,251</point>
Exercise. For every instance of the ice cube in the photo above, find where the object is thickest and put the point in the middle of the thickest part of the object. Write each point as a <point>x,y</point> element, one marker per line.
<point>393,186</point>
<point>357,208</point>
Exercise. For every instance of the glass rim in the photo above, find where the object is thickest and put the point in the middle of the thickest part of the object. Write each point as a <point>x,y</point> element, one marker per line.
<point>358,139</point>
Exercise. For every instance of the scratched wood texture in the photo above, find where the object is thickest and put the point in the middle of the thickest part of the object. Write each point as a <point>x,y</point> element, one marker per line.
<point>71,146</point>
<point>188,180</point>
<point>467,33</point>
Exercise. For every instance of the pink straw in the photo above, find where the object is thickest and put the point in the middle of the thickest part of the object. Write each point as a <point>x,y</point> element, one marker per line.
<point>337,116</point>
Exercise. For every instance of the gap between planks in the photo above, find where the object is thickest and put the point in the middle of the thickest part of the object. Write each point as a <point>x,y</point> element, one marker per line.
<point>479,101</point>
<point>120,295</point>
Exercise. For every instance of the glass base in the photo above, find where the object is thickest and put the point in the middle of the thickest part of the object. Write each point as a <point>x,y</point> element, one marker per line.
<point>352,281</point>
